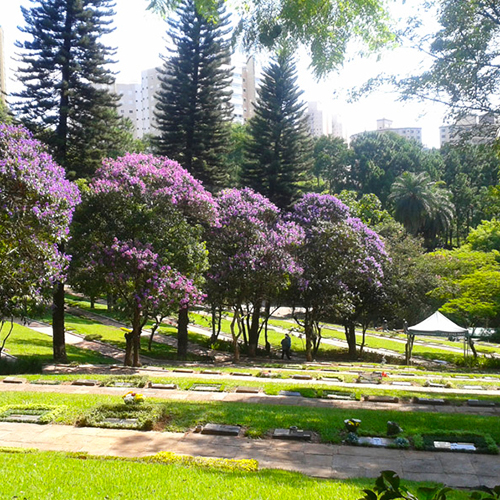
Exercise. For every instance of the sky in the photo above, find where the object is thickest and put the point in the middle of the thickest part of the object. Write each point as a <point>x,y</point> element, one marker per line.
<point>139,38</point>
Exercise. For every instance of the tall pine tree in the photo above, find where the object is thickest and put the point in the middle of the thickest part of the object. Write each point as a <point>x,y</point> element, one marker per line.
<point>279,151</point>
<point>66,99</point>
<point>193,110</point>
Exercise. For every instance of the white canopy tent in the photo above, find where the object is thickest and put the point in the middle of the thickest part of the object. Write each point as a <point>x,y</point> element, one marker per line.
<point>437,325</point>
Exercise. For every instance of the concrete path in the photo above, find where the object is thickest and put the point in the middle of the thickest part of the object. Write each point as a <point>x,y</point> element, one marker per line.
<point>318,460</point>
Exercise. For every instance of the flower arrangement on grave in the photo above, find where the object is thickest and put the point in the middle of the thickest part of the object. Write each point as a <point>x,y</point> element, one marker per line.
<point>133,398</point>
<point>352,424</point>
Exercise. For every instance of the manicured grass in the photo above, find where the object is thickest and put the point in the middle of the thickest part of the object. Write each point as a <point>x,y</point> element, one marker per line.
<point>259,419</point>
<point>116,336</point>
<point>25,343</point>
<point>59,476</point>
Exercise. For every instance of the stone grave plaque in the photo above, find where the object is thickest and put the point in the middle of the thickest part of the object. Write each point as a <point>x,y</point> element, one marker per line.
<point>221,430</point>
<point>463,447</point>
<point>490,378</point>
<point>474,387</point>
<point>241,374</point>
<point>209,372</point>
<point>163,386</point>
<point>382,399</point>
<point>183,370</point>
<point>24,418</point>
<point>247,390</point>
<point>436,385</point>
<point>462,378</point>
<point>430,401</point>
<point>289,393</point>
<point>85,382</point>
<point>295,367</point>
<point>120,421</point>
<point>46,382</point>
<point>206,388</point>
<point>478,402</point>
<point>13,380</point>
<point>122,384</point>
<point>292,434</point>
<point>406,375</point>
<point>442,445</point>
<point>376,441</point>
<point>341,397</point>
<point>302,377</point>
<point>401,384</point>
<point>331,379</point>
<point>330,370</point>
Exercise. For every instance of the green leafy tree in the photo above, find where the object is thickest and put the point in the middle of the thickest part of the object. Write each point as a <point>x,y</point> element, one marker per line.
<point>325,29</point>
<point>332,160</point>
<point>379,158</point>
<point>278,154</point>
<point>471,172</point>
<point>193,110</point>
<point>486,237</point>
<point>464,73</point>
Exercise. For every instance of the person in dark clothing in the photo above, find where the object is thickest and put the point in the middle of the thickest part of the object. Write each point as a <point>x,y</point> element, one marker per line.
<point>286,347</point>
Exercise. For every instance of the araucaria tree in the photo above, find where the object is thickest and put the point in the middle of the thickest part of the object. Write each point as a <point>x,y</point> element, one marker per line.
<point>279,152</point>
<point>252,257</point>
<point>143,241</point>
<point>65,100</point>
<point>36,207</point>
<point>193,110</point>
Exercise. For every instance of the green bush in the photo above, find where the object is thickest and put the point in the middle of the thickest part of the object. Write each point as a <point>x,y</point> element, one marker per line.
<point>147,416</point>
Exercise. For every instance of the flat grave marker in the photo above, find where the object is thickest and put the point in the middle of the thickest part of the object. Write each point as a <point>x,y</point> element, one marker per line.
<point>380,442</point>
<point>341,397</point>
<point>221,430</point>
<point>429,401</point>
<point>121,421</point>
<point>381,399</point>
<point>85,382</point>
<point>209,372</point>
<point>24,418</point>
<point>13,380</point>
<point>401,384</point>
<point>182,370</point>
<point>248,390</point>
<point>206,388</point>
<point>45,382</point>
<point>241,374</point>
<point>163,386</point>
<point>292,434</point>
<point>289,393</point>
<point>473,387</point>
<point>301,377</point>
<point>479,403</point>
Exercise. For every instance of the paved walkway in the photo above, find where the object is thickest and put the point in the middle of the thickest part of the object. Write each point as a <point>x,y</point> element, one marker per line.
<point>318,460</point>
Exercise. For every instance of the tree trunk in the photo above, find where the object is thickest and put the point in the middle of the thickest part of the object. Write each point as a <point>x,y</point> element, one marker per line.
<point>182,333</point>
<point>92,302</point>
<point>350,335</point>
<point>58,338</point>
<point>363,340</point>
<point>253,333</point>
<point>409,348</point>
<point>129,344</point>
<point>236,347</point>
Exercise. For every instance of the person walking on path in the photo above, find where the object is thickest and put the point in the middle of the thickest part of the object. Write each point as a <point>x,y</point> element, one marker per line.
<point>286,346</point>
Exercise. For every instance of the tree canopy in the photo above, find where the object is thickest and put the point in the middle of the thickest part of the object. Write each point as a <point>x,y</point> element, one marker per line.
<point>325,28</point>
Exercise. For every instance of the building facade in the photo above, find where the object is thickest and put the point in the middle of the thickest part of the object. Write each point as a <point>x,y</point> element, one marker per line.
<point>321,121</point>
<point>385,126</point>
<point>471,129</point>
<point>138,100</point>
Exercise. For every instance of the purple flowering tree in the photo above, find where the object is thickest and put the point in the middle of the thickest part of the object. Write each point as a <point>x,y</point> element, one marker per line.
<point>145,287</point>
<point>341,260</point>
<point>36,208</point>
<point>151,210</point>
<point>251,253</point>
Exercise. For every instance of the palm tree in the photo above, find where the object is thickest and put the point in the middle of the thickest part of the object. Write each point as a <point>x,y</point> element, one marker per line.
<point>421,205</point>
<point>412,197</point>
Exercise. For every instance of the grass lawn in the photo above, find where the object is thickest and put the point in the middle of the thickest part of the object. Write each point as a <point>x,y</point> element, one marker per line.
<point>57,476</point>
<point>259,419</point>
<point>25,343</point>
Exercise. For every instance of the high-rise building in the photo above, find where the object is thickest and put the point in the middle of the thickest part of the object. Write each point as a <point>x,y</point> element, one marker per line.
<point>3,85</point>
<point>138,101</point>
<point>322,122</point>
<point>384,125</point>
<point>471,129</point>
